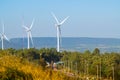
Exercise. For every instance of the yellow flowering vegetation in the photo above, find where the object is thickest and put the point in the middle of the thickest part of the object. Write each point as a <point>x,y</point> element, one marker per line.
<point>16,68</point>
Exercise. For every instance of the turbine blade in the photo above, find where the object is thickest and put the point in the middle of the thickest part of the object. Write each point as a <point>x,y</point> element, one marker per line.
<point>5,37</point>
<point>31,39</point>
<point>55,17</point>
<point>25,27</point>
<point>64,20</point>
<point>31,24</point>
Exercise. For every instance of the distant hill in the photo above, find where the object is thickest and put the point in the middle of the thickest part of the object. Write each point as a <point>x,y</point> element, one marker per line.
<point>68,43</point>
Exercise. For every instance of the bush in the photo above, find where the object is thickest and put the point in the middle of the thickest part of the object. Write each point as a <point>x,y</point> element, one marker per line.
<point>14,74</point>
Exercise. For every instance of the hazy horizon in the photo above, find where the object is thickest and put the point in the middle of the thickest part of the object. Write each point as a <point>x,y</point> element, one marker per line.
<point>66,37</point>
<point>68,43</point>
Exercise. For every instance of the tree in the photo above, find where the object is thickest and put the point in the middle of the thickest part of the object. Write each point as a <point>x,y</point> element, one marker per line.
<point>96,51</point>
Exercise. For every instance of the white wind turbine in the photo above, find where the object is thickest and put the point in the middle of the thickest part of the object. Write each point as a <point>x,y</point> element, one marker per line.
<point>58,25</point>
<point>3,37</point>
<point>29,35</point>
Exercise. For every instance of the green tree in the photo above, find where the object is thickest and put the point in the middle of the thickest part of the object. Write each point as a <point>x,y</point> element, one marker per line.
<point>96,51</point>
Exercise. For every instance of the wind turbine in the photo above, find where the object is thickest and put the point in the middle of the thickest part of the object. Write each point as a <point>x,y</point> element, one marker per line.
<point>3,37</point>
<point>58,25</point>
<point>29,35</point>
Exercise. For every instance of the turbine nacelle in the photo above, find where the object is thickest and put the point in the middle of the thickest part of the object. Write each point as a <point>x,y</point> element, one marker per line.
<point>57,25</point>
<point>28,30</point>
<point>57,22</point>
<point>3,37</point>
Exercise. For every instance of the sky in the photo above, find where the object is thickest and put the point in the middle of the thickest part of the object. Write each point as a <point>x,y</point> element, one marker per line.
<point>88,18</point>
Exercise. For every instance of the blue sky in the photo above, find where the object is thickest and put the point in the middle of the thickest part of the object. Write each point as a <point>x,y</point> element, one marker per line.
<point>88,18</point>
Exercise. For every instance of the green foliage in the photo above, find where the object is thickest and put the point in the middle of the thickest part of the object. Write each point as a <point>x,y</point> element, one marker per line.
<point>42,63</point>
<point>96,51</point>
<point>31,54</point>
<point>85,63</point>
<point>50,54</point>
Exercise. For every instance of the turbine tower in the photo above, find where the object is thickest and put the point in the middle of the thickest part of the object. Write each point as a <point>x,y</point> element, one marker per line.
<point>3,37</point>
<point>58,25</point>
<point>29,35</point>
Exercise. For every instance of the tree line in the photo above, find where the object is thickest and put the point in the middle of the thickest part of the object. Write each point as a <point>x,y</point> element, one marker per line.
<point>87,63</point>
